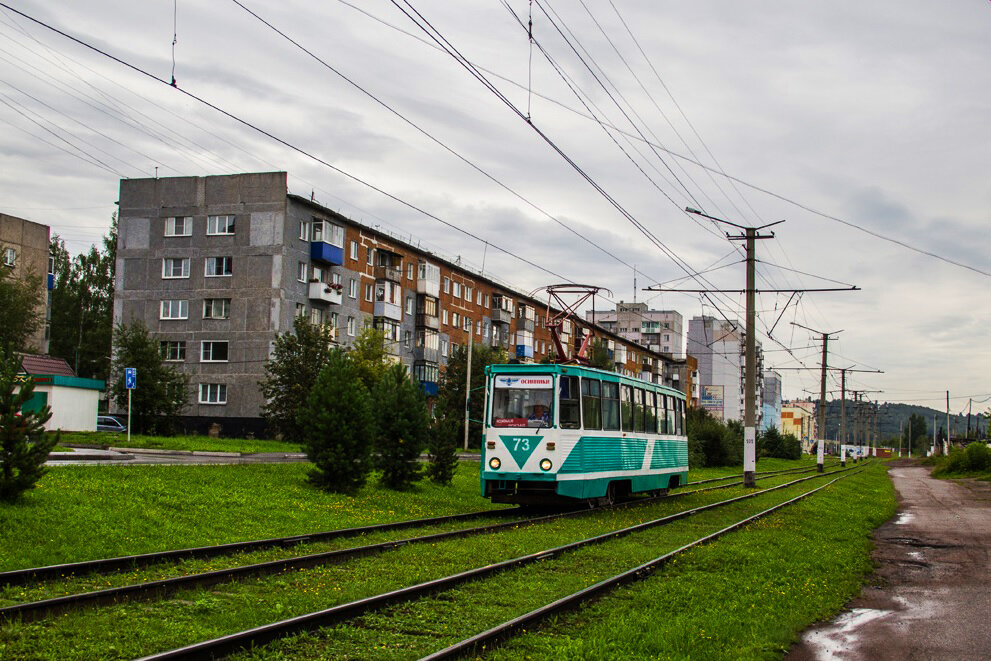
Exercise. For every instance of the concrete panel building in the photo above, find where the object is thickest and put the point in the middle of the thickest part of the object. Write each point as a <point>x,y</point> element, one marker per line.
<point>798,418</point>
<point>719,347</point>
<point>216,267</point>
<point>24,250</point>
<point>658,330</point>
<point>771,401</point>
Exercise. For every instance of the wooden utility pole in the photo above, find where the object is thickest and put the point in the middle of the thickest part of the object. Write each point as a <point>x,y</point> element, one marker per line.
<point>821,442</point>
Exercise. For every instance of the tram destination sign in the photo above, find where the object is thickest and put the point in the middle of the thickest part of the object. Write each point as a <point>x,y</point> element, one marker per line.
<point>543,381</point>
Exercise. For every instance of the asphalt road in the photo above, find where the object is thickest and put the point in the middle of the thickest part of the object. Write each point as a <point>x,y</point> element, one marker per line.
<point>931,596</point>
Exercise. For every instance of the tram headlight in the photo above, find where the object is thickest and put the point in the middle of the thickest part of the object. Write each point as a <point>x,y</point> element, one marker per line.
<point>494,463</point>
<point>545,464</point>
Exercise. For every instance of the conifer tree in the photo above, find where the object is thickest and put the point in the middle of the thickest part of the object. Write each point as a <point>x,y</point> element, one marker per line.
<point>24,446</point>
<point>338,426</point>
<point>442,445</point>
<point>403,424</point>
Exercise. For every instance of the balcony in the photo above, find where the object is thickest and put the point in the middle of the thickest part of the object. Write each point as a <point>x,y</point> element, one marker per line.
<point>327,253</point>
<point>524,351</point>
<point>325,293</point>
<point>525,325</point>
<point>390,273</point>
<point>428,279</point>
<point>388,310</point>
<point>426,354</point>
<point>427,321</point>
<point>500,316</point>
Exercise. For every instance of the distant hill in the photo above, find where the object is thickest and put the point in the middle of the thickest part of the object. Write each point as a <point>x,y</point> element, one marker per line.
<point>890,418</point>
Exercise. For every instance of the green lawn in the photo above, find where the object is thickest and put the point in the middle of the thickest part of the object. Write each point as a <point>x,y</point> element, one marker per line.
<point>192,443</point>
<point>744,596</point>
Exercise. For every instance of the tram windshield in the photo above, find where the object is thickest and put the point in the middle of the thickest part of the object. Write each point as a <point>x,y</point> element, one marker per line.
<point>522,401</point>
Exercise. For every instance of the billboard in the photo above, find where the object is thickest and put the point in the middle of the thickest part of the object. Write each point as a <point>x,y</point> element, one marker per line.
<point>711,399</point>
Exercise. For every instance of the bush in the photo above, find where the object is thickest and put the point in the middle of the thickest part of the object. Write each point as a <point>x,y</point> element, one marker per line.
<point>403,421</point>
<point>338,427</point>
<point>712,443</point>
<point>772,443</point>
<point>442,446</point>
<point>24,446</point>
<point>975,459</point>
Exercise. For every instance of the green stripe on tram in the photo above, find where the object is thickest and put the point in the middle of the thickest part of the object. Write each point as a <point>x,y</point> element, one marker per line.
<point>592,455</point>
<point>669,454</point>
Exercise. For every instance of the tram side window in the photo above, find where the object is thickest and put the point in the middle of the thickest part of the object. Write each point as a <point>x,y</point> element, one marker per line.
<point>610,406</point>
<point>650,413</point>
<point>681,417</point>
<point>668,415</point>
<point>638,411</point>
<point>591,406</point>
<point>626,406</point>
<point>679,424</point>
<point>570,407</point>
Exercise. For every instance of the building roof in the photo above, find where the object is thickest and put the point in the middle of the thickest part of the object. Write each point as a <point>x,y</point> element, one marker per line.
<point>38,364</point>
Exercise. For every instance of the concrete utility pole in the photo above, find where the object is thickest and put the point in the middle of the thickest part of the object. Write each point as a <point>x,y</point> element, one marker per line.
<point>946,444</point>
<point>843,417</point>
<point>821,443</point>
<point>910,436</point>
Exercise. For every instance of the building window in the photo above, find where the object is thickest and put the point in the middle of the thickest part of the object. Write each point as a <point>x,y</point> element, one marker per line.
<point>350,326</point>
<point>328,233</point>
<point>217,308</point>
<point>316,316</point>
<point>300,310</point>
<point>455,319</point>
<point>174,310</point>
<point>173,351</point>
<point>213,393</point>
<point>478,297</point>
<point>444,317</point>
<point>219,225</point>
<point>353,288</point>
<point>409,305</point>
<point>447,285</point>
<point>368,292</point>
<point>478,328</point>
<point>467,326</point>
<point>370,256</point>
<point>179,226</point>
<point>409,271</point>
<point>213,351</point>
<point>354,250</point>
<point>216,267</point>
<point>304,230</point>
<point>334,321</point>
<point>301,272</point>
<point>336,279</point>
<point>443,348</point>
<point>407,338</point>
<point>486,300</point>
<point>456,292</point>
<point>9,257</point>
<point>468,293</point>
<point>172,267</point>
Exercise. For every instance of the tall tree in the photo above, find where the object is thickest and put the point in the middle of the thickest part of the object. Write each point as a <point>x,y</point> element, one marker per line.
<point>338,426</point>
<point>24,446</point>
<point>297,359</point>
<point>83,305</point>
<point>452,386</point>
<point>20,303</point>
<point>162,390</point>
<point>598,355</point>
<point>403,425</point>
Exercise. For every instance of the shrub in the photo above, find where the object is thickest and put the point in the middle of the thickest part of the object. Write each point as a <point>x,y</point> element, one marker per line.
<point>975,459</point>
<point>403,422</point>
<point>24,446</point>
<point>772,443</point>
<point>442,446</point>
<point>712,443</point>
<point>338,427</point>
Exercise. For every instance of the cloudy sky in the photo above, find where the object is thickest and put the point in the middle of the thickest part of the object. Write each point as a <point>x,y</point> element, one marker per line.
<point>864,125</point>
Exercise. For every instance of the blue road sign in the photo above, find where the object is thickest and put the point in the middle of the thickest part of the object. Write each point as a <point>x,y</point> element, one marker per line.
<point>130,378</point>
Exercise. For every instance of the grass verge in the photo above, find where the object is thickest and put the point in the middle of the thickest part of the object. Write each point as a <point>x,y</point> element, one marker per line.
<point>190,443</point>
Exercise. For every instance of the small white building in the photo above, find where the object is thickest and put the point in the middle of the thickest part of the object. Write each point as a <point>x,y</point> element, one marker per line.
<point>74,400</point>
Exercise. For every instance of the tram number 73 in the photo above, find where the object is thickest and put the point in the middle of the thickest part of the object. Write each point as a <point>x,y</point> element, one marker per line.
<point>525,443</point>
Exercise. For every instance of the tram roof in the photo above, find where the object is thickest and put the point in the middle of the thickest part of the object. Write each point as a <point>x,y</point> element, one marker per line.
<point>577,370</point>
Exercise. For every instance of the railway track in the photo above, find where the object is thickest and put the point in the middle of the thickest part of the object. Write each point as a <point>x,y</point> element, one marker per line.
<point>257,636</point>
<point>156,588</point>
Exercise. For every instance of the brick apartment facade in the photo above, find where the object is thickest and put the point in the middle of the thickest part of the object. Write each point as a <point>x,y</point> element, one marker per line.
<point>217,266</point>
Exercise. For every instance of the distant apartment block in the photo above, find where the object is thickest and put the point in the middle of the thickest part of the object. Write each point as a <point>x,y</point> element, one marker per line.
<point>658,330</point>
<point>798,418</point>
<point>719,347</point>
<point>216,267</point>
<point>771,403</point>
<point>24,250</point>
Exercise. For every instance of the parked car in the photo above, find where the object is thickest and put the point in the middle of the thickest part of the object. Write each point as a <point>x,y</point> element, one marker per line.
<point>109,423</point>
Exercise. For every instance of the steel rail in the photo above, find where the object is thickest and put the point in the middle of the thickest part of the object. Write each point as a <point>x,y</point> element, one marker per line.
<point>800,469</point>
<point>642,572</point>
<point>32,610</point>
<point>250,638</point>
<point>107,565</point>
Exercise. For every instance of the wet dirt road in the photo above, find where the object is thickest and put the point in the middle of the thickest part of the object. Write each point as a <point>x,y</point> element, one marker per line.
<point>931,597</point>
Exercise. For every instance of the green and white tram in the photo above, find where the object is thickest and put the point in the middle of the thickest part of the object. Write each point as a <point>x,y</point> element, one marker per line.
<point>567,433</point>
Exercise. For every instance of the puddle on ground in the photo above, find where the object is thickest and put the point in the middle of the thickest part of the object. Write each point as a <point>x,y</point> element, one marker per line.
<point>839,637</point>
<point>916,555</point>
<point>903,518</point>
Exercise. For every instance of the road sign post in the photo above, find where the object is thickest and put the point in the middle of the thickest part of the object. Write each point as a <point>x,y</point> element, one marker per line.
<point>130,382</point>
